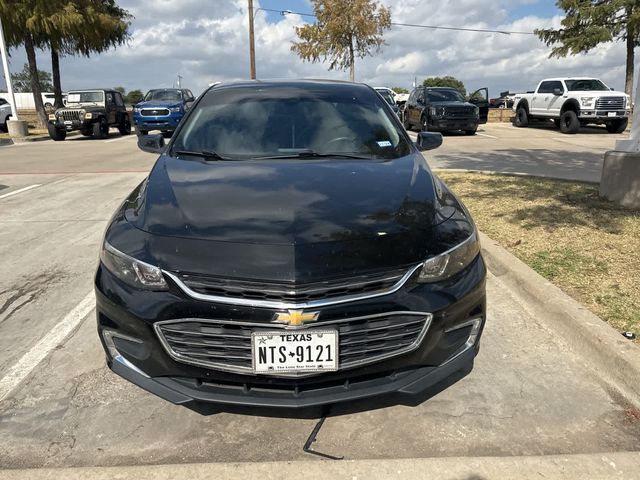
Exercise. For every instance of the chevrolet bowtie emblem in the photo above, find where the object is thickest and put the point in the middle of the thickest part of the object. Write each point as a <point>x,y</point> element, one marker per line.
<point>295,318</point>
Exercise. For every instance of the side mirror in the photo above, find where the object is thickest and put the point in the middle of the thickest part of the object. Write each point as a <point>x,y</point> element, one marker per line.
<point>428,140</point>
<point>151,143</point>
<point>557,92</point>
<point>611,88</point>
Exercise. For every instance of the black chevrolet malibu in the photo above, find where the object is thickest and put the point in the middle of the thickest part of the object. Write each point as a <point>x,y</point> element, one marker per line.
<point>290,248</point>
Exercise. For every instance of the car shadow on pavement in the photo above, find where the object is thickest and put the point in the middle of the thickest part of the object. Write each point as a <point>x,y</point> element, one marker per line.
<point>563,164</point>
<point>549,125</point>
<point>335,410</point>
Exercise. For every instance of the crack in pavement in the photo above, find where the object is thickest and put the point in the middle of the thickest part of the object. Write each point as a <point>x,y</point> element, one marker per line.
<point>31,288</point>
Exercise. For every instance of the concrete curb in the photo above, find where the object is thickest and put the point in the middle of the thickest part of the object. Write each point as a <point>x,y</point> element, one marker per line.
<point>622,466</point>
<point>33,138</point>
<point>606,351</point>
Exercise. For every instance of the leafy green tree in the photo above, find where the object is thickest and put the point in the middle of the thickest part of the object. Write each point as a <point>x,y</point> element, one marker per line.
<point>342,32</point>
<point>22,80</point>
<point>120,89</point>
<point>399,89</point>
<point>134,96</point>
<point>446,81</point>
<point>588,23</point>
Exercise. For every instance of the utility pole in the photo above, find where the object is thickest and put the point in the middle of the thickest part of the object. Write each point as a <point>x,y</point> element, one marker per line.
<point>7,75</point>
<point>252,46</point>
<point>179,81</point>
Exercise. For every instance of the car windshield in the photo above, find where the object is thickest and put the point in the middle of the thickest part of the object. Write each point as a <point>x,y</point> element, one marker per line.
<point>246,122</point>
<point>444,96</point>
<point>585,85</point>
<point>85,97</point>
<point>387,96</point>
<point>163,95</point>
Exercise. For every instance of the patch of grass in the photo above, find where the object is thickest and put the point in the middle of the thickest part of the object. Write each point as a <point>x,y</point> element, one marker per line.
<point>586,245</point>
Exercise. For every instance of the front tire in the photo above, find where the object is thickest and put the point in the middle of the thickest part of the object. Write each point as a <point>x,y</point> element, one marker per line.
<point>471,132</point>
<point>617,126</point>
<point>125,127</point>
<point>100,128</point>
<point>56,134</point>
<point>522,118</point>
<point>569,122</point>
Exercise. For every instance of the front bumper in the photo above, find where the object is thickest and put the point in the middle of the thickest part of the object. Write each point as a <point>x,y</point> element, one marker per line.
<point>444,124</point>
<point>603,115</point>
<point>72,125</point>
<point>136,353</point>
<point>162,122</point>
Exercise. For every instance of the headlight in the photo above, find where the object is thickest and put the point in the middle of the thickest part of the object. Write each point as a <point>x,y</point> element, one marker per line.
<point>136,109</point>
<point>627,103</point>
<point>587,101</point>
<point>52,116</point>
<point>88,115</point>
<point>131,271</point>
<point>436,111</point>
<point>450,262</point>
<point>175,109</point>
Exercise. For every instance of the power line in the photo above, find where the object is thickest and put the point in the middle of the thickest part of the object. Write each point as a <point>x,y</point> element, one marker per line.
<point>413,25</point>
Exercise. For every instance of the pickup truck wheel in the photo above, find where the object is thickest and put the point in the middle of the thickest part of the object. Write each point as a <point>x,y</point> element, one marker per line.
<point>522,118</point>
<point>101,128</point>
<point>471,132</point>
<point>56,134</point>
<point>125,127</point>
<point>86,133</point>
<point>617,126</point>
<point>569,122</point>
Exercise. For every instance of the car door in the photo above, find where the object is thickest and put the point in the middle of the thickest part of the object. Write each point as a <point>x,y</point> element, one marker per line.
<point>121,109</point>
<point>540,100</point>
<point>421,104</point>
<point>480,98</point>
<point>111,108</point>
<point>409,106</point>
<point>556,99</point>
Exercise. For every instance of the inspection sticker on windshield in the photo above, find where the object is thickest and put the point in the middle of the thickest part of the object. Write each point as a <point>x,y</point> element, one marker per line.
<point>384,143</point>
<point>295,351</point>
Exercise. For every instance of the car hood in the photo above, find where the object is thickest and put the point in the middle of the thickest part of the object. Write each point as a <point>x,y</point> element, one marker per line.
<point>282,220</point>
<point>159,103</point>
<point>598,93</point>
<point>285,201</point>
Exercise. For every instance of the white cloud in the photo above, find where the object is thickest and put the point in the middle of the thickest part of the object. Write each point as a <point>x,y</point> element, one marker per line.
<point>207,40</point>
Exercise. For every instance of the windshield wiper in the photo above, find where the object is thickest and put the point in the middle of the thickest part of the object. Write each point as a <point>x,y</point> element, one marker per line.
<point>206,154</point>
<point>312,154</point>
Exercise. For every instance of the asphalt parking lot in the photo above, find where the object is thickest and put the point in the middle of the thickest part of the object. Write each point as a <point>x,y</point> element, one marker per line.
<point>60,406</point>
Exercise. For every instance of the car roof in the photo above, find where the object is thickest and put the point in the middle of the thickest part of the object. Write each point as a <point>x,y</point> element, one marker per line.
<point>301,83</point>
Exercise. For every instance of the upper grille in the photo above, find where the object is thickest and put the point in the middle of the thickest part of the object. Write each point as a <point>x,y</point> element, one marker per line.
<point>70,114</point>
<point>610,103</point>
<point>226,345</point>
<point>154,112</point>
<point>293,293</point>
<point>459,111</point>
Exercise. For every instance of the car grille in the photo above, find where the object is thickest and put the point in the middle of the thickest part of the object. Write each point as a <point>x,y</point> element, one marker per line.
<point>154,112</point>
<point>69,115</point>
<point>226,345</point>
<point>610,103</point>
<point>292,292</point>
<point>459,111</point>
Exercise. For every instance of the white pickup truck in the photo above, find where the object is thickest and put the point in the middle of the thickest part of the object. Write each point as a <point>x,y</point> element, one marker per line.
<point>573,102</point>
<point>5,113</point>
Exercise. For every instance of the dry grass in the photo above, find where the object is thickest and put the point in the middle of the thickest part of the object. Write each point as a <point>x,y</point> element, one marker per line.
<point>587,246</point>
<point>32,132</point>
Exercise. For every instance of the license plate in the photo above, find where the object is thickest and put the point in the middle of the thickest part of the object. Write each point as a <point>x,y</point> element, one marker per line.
<point>68,122</point>
<point>612,114</point>
<point>295,351</point>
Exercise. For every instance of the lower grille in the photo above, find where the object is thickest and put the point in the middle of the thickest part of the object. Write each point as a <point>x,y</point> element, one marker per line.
<point>226,345</point>
<point>459,111</point>
<point>70,115</point>
<point>610,103</point>
<point>154,112</point>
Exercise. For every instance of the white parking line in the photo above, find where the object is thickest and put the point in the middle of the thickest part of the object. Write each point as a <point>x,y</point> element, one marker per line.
<point>20,190</point>
<point>123,137</point>
<point>30,360</point>
<point>485,135</point>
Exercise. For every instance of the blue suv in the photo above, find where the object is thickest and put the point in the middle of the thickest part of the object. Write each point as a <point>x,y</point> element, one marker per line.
<point>161,109</point>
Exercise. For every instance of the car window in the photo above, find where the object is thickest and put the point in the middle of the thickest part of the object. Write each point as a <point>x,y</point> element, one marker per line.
<point>3,101</point>
<point>550,86</point>
<point>110,100</point>
<point>85,97</point>
<point>246,122</point>
<point>119,100</point>
<point>169,94</point>
<point>387,96</point>
<point>444,96</point>
<point>585,85</point>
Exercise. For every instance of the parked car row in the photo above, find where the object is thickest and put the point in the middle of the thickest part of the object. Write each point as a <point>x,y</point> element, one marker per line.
<point>5,113</point>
